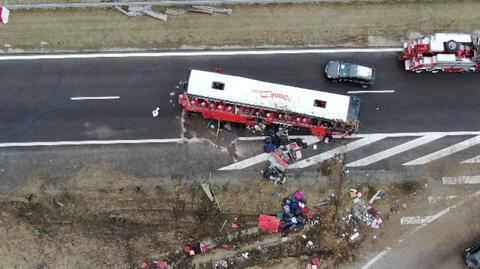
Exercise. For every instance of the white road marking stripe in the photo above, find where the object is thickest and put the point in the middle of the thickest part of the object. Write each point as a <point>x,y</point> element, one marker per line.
<point>253,138</point>
<point>395,150</point>
<point>424,220</point>
<point>461,180</point>
<point>309,140</point>
<point>439,214</point>
<point>175,140</point>
<point>356,92</point>
<point>246,163</point>
<point>475,159</point>
<point>415,220</point>
<point>90,142</point>
<point>445,152</point>
<point>419,134</point>
<point>376,258</point>
<point>94,98</point>
<point>436,199</point>
<point>193,53</point>
<point>331,153</point>
<point>445,211</point>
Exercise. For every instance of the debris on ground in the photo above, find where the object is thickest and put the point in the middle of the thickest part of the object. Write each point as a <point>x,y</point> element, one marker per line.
<point>377,196</point>
<point>314,262</point>
<point>282,152</point>
<point>175,11</point>
<point>210,10</point>
<point>196,248</point>
<point>208,191</point>
<point>268,223</point>
<point>210,194</point>
<point>295,213</point>
<point>157,264</point>
<point>37,231</point>
<point>361,211</point>
<point>134,11</point>
<point>326,201</point>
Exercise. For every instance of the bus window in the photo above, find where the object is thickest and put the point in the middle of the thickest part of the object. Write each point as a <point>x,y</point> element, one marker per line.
<point>218,85</point>
<point>320,103</point>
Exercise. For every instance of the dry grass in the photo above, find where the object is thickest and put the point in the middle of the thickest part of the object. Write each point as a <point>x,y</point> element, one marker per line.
<point>384,23</point>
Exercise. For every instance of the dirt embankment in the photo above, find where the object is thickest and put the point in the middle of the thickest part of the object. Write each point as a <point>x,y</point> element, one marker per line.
<point>325,24</point>
<point>102,219</point>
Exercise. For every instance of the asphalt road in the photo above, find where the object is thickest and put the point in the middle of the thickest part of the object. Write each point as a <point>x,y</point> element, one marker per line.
<point>36,105</point>
<point>438,245</point>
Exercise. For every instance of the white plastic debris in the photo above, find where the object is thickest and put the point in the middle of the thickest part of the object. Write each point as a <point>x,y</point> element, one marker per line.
<point>354,236</point>
<point>155,112</point>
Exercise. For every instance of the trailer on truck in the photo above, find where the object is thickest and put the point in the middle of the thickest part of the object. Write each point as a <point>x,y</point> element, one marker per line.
<point>253,103</point>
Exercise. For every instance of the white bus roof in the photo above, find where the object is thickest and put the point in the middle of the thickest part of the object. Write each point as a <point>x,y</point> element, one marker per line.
<point>268,95</point>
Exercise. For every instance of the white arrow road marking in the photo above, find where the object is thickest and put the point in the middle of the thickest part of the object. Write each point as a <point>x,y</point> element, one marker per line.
<point>461,180</point>
<point>309,140</point>
<point>445,152</point>
<point>395,150</point>
<point>339,150</point>
<point>475,159</point>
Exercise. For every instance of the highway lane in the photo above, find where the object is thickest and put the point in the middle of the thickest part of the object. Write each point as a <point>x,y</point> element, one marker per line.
<point>36,105</point>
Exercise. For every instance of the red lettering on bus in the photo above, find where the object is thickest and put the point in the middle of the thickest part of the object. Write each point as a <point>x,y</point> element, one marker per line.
<point>272,95</point>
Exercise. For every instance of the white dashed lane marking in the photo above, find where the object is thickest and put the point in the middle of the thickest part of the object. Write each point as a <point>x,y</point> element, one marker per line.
<point>94,98</point>
<point>89,142</point>
<point>358,92</point>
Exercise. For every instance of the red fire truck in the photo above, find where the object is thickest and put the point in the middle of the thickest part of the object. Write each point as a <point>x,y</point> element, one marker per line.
<point>445,52</point>
<point>257,103</point>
